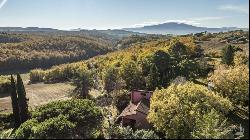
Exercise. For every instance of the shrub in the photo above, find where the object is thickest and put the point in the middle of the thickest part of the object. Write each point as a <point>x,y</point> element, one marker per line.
<point>228,55</point>
<point>6,134</point>
<point>212,126</point>
<point>6,121</point>
<point>74,118</point>
<point>241,58</point>
<point>5,85</point>
<point>145,134</point>
<point>37,75</point>
<point>25,130</point>
<point>118,132</point>
<point>58,127</point>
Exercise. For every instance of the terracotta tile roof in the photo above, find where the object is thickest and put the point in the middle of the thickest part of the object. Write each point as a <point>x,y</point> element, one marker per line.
<point>143,106</point>
<point>131,109</point>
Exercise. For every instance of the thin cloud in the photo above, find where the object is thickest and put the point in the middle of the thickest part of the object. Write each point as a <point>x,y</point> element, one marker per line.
<point>236,8</point>
<point>2,3</point>
<point>210,18</point>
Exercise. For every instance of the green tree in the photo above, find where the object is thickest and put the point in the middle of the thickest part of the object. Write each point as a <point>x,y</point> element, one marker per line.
<point>228,55</point>
<point>132,75</point>
<point>164,64</point>
<point>153,78</point>
<point>189,69</point>
<point>232,83</point>
<point>22,100</point>
<point>174,110</point>
<point>177,48</point>
<point>84,83</point>
<point>112,80</point>
<point>14,101</point>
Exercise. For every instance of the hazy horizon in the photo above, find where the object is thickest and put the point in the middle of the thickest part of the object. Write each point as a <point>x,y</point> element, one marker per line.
<point>118,14</point>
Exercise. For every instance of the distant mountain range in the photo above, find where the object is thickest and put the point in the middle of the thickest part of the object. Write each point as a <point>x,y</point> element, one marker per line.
<point>165,28</point>
<point>111,34</point>
<point>178,29</point>
<point>27,29</point>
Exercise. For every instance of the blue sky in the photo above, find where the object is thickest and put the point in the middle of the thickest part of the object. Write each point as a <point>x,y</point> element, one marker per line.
<point>105,14</point>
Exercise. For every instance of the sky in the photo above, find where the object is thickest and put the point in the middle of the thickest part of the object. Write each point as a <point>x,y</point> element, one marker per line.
<point>115,14</point>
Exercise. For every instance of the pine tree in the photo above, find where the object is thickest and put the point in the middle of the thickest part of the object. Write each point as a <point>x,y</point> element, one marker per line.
<point>228,55</point>
<point>84,83</point>
<point>14,101</point>
<point>22,100</point>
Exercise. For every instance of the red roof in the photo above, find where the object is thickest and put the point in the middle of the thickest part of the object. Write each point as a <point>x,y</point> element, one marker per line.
<point>131,109</point>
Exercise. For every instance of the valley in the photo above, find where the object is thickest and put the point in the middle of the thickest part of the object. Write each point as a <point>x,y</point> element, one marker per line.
<point>104,72</point>
<point>124,69</point>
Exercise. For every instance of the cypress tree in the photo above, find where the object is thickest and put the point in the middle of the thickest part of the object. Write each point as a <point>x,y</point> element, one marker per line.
<point>228,55</point>
<point>14,101</point>
<point>22,100</point>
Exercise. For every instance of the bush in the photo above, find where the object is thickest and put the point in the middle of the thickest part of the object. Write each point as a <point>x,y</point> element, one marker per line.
<point>145,134</point>
<point>58,127</point>
<point>25,130</point>
<point>6,121</point>
<point>60,73</point>
<point>228,55</point>
<point>6,134</point>
<point>37,75</point>
<point>5,85</point>
<point>212,126</point>
<point>173,110</point>
<point>74,118</point>
<point>118,132</point>
<point>241,58</point>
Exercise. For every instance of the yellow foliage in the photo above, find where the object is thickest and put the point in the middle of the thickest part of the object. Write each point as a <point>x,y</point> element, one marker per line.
<point>174,110</point>
<point>232,82</point>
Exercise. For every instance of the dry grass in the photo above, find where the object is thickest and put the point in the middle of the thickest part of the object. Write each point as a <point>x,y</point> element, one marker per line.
<point>215,45</point>
<point>39,94</point>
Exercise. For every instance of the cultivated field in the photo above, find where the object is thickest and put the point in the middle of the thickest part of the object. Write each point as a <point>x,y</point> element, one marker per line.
<point>39,94</point>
